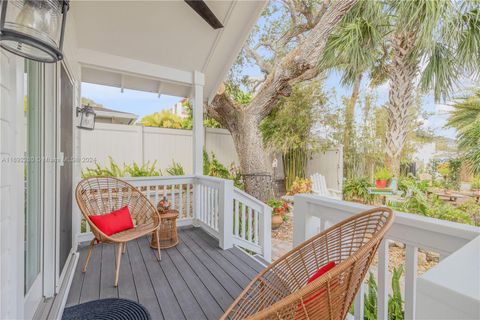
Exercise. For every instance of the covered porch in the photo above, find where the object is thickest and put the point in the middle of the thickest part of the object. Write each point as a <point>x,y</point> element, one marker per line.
<point>194,280</point>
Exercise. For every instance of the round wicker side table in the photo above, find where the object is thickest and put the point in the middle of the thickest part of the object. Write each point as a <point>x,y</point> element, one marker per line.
<point>167,231</point>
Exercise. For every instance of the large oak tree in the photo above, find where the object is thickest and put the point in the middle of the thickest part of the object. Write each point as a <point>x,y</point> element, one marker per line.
<point>287,52</point>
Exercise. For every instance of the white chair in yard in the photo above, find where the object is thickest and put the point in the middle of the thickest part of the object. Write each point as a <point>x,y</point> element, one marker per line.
<point>319,186</point>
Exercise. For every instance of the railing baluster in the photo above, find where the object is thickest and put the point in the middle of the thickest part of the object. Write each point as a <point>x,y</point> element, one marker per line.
<point>237,217</point>
<point>359,304</point>
<point>410,281</point>
<point>180,200</point>
<point>244,222</point>
<point>217,209</point>
<point>255,226</point>
<point>382,312</point>
<point>156,194</point>
<point>164,190</point>
<point>250,223</point>
<point>188,215</point>
<point>173,196</point>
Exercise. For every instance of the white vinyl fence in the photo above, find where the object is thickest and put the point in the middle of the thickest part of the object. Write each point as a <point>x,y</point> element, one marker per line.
<point>126,144</point>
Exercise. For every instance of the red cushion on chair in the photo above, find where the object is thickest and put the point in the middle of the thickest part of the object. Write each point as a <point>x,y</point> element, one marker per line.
<point>114,222</point>
<point>320,272</point>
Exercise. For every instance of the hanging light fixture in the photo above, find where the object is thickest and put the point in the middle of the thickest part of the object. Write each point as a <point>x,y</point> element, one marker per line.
<point>34,29</point>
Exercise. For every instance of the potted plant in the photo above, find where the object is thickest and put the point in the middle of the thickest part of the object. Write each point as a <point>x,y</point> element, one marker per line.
<point>382,176</point>
<point>280,209</point>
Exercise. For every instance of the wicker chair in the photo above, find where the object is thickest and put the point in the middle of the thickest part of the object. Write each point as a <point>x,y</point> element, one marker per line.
<point>281,291</point>
<point>97,196</point>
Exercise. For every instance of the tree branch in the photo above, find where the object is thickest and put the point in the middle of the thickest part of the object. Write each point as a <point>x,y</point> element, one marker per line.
<point>301,63</point>
<point>224,110</point>
<point>264,66</point>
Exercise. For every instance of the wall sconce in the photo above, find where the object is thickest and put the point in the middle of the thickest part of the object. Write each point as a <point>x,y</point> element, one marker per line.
<point>87,118</point>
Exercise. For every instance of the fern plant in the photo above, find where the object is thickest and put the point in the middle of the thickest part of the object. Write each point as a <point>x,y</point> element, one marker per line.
<point>176,169</point>
<point>111,170</point>
<point>145,170</point>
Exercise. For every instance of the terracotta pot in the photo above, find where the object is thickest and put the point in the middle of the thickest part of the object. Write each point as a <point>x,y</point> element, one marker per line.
<point>381,184</point>
<point>276,221</point>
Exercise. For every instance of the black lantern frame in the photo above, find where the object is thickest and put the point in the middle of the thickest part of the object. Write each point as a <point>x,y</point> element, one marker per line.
<point>85,112</point>
<point>55,54</point>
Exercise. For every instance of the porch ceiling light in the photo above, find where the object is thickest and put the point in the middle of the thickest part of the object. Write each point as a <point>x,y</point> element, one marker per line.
<point>87,118</point>
<point>34,29</point>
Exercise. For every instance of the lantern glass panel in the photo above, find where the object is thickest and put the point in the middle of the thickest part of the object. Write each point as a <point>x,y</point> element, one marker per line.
<point>37,19</point>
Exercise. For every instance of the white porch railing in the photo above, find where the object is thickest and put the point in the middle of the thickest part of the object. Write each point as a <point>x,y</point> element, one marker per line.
<point>315,213</point>
<point>215,205</point>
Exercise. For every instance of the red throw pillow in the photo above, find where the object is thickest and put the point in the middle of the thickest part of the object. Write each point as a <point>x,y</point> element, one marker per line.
<point>320,272</point>
<point>114,222</point>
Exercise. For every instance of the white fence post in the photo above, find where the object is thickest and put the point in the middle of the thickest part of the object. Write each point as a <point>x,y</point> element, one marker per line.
<point>225,217</point>
<point>265,228</point>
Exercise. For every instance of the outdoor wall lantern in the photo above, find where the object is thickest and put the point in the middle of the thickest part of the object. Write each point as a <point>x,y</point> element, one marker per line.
<point>87,118</point>
<point>34,29</point>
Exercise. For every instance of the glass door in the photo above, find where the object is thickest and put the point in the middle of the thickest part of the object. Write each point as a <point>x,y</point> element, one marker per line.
<point>33,213</point>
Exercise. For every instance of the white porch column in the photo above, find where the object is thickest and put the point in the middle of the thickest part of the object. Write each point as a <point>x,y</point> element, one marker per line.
<point>198,131</point>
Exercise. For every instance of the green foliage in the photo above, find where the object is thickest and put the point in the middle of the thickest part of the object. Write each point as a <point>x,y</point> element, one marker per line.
<point>212,167</point>
<point>440,210</point>
<point>476,183</point>
<point>454,176</point>
<point>187,122</point>
<point>111,170</point>
<point>163,119</point>
<point>370,299</point>
<point>175,169</point>
<point>294,165</point>
<point>465,118</point>
<point>145,170</point>
<point>473,209</point>
<point>382,174</point>
<point>237,94</point>
<point>395,301</point>
<point>357,190</point>
<point>289,126</point>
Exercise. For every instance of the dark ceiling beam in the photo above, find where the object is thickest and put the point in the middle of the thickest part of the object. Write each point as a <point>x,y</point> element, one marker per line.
<point>201,8</point>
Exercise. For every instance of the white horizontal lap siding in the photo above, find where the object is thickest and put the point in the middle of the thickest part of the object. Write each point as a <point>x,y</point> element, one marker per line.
<point>11,186</point>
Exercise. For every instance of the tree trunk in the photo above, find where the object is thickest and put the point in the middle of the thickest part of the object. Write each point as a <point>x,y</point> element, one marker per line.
<point>402,74</point>
<point>349,131</point>
<point>254,160</point>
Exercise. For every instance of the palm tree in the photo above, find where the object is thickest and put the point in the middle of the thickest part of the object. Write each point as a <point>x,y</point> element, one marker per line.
<point>465,118</point>
<point>444,37</point>
<point>352,49</point>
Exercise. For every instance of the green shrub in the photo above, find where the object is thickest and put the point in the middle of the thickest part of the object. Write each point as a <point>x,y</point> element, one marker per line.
<point>111,170</point>
<point>145,170</point>
<point>357,190</point>
<point>476,183</point>
<point>212,167</point>
<point>176,169</point>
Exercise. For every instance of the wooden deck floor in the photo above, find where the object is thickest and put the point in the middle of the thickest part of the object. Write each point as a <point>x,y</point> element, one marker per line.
<point>195,280</point>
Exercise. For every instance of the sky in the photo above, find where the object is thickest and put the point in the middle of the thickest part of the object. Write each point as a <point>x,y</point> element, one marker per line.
<point>136,102</point>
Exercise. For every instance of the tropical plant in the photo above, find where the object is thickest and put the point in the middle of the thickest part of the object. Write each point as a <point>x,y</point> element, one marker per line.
<point>453,177</point>
<point>110,170</point>
<point>472,208</point>
<point>213,167</point>
<point>145,170</point>
<point>164,119</point>
<point>444,37</point>
<point>476,183</point>
<point>382,174</point>
<point>286,45</point>
<point>288,129</point>
<point>444,169</point>
<point>465,118</point>
<point>354,48</point>
<point>300,185</point>
<point>175,169</point>
<point>357,190</point>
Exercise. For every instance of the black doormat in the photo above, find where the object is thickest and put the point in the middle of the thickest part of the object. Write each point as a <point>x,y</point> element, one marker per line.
<point>107,309</point>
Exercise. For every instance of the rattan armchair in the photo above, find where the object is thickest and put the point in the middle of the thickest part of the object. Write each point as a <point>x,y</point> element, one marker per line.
<point>281,291</point>
<point>97,196</point>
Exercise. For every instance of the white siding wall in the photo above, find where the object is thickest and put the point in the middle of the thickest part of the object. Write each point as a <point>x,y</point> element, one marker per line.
<point>11,186</point>
<point>126,144</point>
